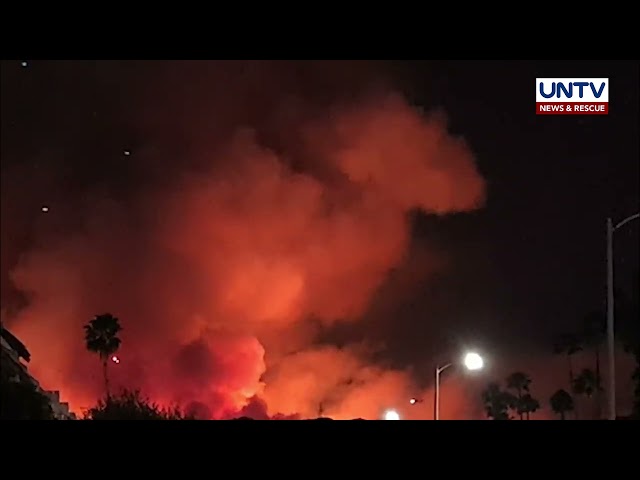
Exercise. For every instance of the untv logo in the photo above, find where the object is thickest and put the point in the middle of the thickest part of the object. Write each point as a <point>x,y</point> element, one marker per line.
<point>572,96</point>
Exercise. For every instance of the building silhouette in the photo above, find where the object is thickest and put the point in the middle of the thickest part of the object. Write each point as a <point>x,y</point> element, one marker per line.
<point>13,368</point>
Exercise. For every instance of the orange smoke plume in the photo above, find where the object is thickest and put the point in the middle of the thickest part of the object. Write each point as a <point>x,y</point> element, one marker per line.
<point>252,242</point>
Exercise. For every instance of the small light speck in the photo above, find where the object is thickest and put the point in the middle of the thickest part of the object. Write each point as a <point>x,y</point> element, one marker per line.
<point>45,209</point>
<point>127,152</point>
<point>24,64</point>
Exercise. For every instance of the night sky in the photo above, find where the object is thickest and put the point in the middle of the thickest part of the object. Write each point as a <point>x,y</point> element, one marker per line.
<point>552,183</point>
<point>528,265</point>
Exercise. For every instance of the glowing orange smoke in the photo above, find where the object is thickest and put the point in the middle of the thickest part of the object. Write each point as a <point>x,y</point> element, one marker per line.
<point>222,275</point>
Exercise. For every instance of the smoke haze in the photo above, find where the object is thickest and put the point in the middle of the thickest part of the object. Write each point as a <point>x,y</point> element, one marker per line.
<point>259,209</point>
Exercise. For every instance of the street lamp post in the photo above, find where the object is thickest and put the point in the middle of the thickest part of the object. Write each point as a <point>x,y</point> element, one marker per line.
<point>436,399</point>
<point>611,228</point>
<point>472,361</point>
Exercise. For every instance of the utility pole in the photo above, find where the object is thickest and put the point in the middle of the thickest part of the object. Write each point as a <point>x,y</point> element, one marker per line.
<point>611,343</point>
<point>611,347</point>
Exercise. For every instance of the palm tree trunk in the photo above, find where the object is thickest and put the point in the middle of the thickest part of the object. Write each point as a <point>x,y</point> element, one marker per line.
<point>575,410</point>
<point>562,415</point>
<point>570,372</point>
<point>106,377</point>
<point>520,403</point>
<point>598,396</point>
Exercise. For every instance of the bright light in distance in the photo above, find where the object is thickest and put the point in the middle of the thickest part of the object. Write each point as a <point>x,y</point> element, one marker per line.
<point>24,64</point>
<point>473,361</point>
<point>412,401</point>
<point>115,359</point>
<point>391,415</point>
<point>45,208</point>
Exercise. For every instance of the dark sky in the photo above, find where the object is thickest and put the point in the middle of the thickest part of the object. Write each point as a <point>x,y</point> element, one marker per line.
<point>528,265</point>
<point>552,183</point>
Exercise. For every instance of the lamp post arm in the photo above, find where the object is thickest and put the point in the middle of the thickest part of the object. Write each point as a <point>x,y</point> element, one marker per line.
<point>443,368</point>
<point>626,220</point>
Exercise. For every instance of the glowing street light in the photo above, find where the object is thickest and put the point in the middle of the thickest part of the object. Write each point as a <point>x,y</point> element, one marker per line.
<point>471,361</point>
<point>391,415</point>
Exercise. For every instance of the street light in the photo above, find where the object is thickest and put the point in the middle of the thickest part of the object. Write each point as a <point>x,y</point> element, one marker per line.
<point>611,228</point>
<point>391,415</point>
<point>471,361</point>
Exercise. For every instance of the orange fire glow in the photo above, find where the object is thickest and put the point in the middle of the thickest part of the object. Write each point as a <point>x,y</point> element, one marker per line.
<point>223,275</point>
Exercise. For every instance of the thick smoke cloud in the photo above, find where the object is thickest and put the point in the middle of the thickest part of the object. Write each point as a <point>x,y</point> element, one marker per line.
<point>227,263</point>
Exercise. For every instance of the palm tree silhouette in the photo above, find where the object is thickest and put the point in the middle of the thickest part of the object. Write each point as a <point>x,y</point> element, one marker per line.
<point>593,336</point>
<point>561,403</point>
<point>101,337</point>
<point>569,345</point>
<point>586,384</point>
<point>497,402</point>
<point>520,382</point>
<point>528,405</point>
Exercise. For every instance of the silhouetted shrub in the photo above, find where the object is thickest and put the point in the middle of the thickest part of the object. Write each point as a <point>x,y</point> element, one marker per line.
<point>130,405</point>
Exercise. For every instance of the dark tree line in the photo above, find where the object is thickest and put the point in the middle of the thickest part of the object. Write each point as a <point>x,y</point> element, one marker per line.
<point>513,401</point>
<point>587,383</point>
<point>583,386</point>
<point>591,338</point>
